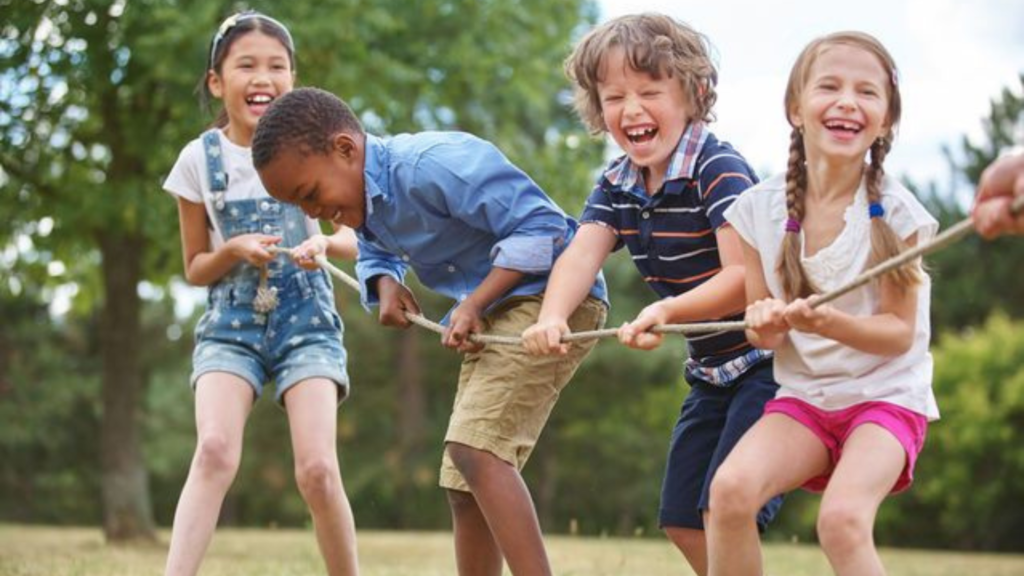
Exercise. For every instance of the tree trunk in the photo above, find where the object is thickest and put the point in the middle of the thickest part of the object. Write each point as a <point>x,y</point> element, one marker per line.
<point>127,510</point>
<point>412,417</point>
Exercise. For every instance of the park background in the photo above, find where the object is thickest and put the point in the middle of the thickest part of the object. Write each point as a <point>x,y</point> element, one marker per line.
<point>96,418</point>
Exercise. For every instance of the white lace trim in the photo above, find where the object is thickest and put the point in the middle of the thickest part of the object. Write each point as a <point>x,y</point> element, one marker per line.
<point>835,264</point>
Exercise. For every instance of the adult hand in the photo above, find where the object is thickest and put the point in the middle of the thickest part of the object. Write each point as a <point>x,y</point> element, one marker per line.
<point>1000,184</point>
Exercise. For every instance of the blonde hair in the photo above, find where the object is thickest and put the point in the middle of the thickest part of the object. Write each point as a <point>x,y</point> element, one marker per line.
<point>654,43</point>
<point>884,242</point>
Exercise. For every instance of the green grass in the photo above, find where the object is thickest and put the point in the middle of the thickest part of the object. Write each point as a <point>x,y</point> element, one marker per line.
<point>46,551</point>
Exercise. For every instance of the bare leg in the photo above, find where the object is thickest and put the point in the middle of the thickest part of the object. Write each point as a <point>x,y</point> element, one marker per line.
<point>694,546</point>
<point>476,552</point>
<point>313,419</point>
<point>871,463</point>
<point>776,455</point>
<point>505,503</point>
<point>223,402</point>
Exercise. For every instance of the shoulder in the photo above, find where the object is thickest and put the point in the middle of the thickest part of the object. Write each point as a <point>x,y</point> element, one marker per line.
<point>718,157</point>
<point>768,194</point>
<point>904,211</point>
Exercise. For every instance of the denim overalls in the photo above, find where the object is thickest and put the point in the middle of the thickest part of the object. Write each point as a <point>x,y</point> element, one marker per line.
<point>301,337</point>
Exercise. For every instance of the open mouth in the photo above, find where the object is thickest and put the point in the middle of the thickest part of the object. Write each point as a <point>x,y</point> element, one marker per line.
<point>258,102</point>
<point>641,134</point>
<point>844,126</point>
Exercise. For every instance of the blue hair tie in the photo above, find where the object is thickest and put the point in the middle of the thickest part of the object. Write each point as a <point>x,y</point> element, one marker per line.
<point>875,210</point>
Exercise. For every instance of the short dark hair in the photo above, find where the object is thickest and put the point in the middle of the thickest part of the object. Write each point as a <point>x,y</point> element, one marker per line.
<point>304,119</point>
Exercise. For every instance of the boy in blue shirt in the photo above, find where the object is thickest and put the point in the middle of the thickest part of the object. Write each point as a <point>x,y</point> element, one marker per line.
<point>476,229</point>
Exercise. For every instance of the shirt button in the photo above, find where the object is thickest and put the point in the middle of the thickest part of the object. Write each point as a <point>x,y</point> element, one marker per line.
<point>645,215</point>
<point>267,228</point>
<point>451,268</point>
<point>265,206</point>
<point>405,257</point>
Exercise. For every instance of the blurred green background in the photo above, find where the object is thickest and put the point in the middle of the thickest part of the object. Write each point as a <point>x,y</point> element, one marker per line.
<point>96,417</point>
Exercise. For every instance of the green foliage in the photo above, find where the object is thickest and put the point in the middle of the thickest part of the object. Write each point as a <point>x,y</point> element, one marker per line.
<point>972,278</point>
<point>968,474</point>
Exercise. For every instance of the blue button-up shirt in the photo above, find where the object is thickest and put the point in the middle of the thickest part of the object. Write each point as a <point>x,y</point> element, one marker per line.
<point>452,207</point>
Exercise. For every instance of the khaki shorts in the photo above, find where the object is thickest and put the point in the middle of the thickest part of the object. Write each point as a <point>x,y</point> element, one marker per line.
<point>505,395</point>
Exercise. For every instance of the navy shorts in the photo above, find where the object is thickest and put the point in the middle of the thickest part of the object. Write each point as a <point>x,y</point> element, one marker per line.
<point>711,422</point>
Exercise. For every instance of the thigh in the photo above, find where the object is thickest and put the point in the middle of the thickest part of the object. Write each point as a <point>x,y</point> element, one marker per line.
<point>871,462</point>
<point>312,407</point>
<point>775,456</point>
<point>223,402</point>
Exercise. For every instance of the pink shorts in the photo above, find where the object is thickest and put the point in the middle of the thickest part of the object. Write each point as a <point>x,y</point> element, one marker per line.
<point>835,426</point>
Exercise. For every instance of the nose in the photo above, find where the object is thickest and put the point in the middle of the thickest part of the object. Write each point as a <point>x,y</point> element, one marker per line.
<point>631,105</point>
<point>847,100</point>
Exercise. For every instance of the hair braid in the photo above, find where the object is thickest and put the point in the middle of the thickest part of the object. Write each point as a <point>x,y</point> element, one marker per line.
<point>795,282</point>
<point>884,242</point>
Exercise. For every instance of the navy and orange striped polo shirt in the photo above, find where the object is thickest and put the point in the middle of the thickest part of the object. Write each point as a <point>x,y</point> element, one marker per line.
<point>671,235</point>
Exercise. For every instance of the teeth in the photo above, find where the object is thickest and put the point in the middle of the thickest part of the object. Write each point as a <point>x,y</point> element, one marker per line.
<point>638,132</point>
<point>842,125</point>
<point>260,99</point>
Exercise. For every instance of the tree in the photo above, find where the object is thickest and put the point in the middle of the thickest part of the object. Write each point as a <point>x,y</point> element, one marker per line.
<point>95,104</point>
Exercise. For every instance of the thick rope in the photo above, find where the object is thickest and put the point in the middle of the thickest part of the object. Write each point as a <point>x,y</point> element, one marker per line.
<point>947,237</point>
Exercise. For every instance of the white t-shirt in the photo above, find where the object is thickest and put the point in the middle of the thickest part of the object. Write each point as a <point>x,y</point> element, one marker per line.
<point>189,179</point>
<point>820,371</point>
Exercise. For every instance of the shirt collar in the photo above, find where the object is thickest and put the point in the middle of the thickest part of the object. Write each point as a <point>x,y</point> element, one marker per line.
<point>375,170</point>
<point>625,174</point>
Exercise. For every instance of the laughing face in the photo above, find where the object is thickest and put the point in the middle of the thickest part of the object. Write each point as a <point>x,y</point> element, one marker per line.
<point>255,71</point>
<point>646,116</point>
<point>328,186</point>
<point>843,107</point>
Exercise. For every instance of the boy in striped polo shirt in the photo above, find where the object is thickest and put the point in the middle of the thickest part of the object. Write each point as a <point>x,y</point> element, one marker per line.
<point>648,81</point>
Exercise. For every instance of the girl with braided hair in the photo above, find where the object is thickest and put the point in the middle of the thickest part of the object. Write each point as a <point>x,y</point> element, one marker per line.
<point>854,376</point>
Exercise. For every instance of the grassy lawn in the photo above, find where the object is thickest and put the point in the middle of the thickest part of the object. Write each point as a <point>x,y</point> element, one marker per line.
<point>44,551</point>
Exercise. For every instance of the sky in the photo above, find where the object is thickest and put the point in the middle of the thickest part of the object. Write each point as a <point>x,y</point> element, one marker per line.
<point>953,57</point>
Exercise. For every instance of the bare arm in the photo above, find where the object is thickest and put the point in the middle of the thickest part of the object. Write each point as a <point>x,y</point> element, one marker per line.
<point>466,318</point>
<point>723,294</point>
<point>204,266</point>
<point>569,283</point>
<point>889,332</point>
<point>766,324</point>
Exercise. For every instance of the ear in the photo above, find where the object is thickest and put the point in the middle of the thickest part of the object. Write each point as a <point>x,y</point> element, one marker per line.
<point>794,118</point>
<point>214,84</point>
<point>345,144</point>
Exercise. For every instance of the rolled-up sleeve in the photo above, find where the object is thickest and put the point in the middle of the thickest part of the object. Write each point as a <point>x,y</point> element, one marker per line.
<point>483,189</point>
<point>374,262</point>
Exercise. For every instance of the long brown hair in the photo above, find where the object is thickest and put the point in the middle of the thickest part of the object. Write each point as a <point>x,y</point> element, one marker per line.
<point>884,241</point>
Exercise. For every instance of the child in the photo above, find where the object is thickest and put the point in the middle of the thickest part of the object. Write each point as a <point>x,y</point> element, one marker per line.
<point>267,319</point>
<point>649,82</point>
<point>1000,184</point>
<point>855,376</point>
<point>476,229</point>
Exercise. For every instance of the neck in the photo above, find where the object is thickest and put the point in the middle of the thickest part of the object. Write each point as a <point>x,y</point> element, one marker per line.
<point>833,180</point>
<point>239,136</point>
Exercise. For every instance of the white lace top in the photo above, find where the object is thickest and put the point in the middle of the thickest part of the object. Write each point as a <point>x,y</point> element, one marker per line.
<point>820,371</point>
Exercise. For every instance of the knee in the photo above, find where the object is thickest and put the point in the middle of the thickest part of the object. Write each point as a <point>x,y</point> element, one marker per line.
<point>216,456</point>
<point>843,528</point>
<point>462,503</point>
<point>733,498</point>
<point>319,480</point>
